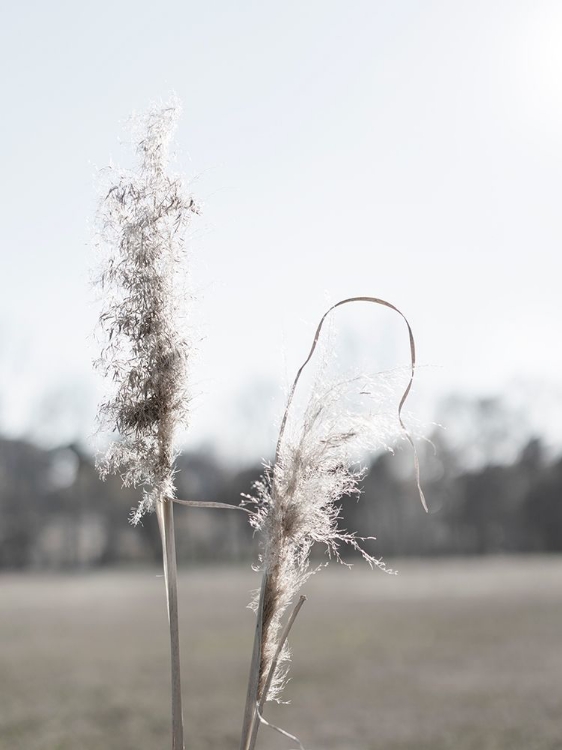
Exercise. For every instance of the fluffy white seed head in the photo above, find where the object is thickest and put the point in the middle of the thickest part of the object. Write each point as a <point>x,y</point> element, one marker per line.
<point>297,500</point>
<point>142,219</point>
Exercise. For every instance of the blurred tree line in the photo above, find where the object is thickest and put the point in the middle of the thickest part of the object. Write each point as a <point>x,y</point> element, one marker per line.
<point>56,513</point>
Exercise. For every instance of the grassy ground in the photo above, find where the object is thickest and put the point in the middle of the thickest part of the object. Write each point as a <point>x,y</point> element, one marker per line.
<point>454,655</point>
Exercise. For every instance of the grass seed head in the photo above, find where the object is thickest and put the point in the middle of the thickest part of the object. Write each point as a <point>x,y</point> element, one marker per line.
<point>142,219</point>
<point>298,499</point>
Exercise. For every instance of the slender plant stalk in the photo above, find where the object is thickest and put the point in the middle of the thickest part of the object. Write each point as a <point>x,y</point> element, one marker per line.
<point>250,726</point>
<point>286,734</point>
<point>165,513</point>
<point>280,645</point>
<point>274,662</point>
<point>209,504</point>
<point>257,718</point>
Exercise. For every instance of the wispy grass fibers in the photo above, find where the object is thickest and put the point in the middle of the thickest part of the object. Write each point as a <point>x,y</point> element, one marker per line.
<point>142,220</point>
<point>297,506</point>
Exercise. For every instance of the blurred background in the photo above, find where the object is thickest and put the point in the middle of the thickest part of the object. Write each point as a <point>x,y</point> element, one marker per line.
<point>405,150</point>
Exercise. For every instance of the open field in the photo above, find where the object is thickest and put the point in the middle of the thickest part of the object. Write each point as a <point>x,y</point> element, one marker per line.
<point>449,655</point>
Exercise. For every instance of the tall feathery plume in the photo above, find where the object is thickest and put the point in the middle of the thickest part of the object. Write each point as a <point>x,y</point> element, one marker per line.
<point>297,506</point>
<point>141,222</point>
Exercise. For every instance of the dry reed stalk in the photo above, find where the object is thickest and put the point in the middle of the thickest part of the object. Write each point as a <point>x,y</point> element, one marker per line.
<point>142,221</point>
<point>297,506</point>
<point>165,512</point>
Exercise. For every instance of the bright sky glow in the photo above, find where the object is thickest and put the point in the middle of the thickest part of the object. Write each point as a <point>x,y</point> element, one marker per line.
<point>407,150</point>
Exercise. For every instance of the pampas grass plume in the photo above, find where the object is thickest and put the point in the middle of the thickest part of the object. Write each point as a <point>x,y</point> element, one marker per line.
<point>142,221</point>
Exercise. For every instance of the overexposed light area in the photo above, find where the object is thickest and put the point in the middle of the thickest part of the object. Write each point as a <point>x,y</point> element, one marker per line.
<point>406,150</point>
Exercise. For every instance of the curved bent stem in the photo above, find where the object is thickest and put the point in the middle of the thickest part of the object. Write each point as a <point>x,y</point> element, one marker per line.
<point>384,303</point>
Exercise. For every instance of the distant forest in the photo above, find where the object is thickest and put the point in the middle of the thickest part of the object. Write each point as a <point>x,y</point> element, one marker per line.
<point>55,513</point>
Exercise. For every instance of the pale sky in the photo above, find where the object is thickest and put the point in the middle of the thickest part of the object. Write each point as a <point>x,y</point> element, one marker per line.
<point>406,150</point>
